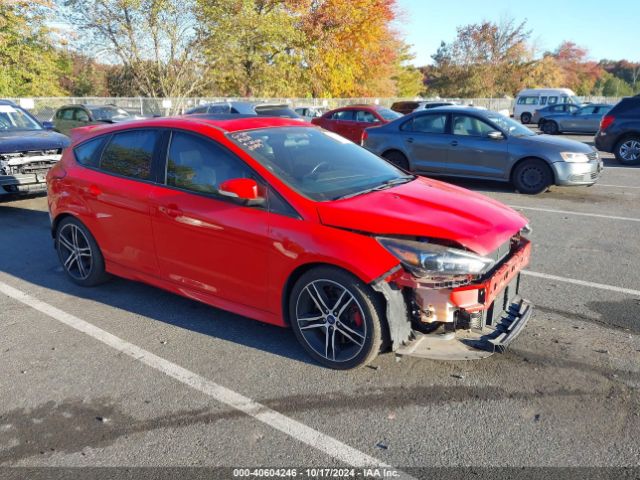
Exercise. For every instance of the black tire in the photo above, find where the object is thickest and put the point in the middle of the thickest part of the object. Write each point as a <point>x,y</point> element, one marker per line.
<point>525,118</point>
<point>627,150</point>
<point>327,335</point>
<point>398,159</point>
<point>87,269</point>
<point>532,176</point>
<point>550,127</point>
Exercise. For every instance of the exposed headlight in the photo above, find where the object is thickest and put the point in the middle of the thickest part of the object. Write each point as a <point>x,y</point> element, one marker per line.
<point>574,157</point>
<point>436,261</point>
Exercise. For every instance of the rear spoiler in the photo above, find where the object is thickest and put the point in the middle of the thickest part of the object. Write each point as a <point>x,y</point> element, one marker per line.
<point>78,134</point>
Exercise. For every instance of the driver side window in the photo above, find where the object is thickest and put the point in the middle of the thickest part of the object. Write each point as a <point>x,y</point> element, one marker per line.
<point>470,126</point>
<point>200,165</point>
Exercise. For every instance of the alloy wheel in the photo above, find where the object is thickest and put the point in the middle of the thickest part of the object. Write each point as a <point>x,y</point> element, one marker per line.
<point>630,150</point>
<point>331,320</point>
<point>75,251</point>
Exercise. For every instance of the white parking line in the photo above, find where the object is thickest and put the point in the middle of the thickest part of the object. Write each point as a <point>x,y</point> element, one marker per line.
<point>601,286</point>
<point>582,214</point>
<point>613,186</point>
<point>289,426</point>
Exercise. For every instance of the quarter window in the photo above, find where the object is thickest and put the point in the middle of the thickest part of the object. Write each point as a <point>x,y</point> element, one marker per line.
<point>130,154</point>
<point>88,153</point>
<point>201,165</point>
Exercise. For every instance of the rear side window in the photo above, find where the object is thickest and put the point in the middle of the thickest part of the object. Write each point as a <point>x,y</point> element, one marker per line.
<point>427,124</point>
<point>88,154</point>
<point>553,100</point>
<point>130,154</point>
<point>343,115</point>
<point>365,117</point>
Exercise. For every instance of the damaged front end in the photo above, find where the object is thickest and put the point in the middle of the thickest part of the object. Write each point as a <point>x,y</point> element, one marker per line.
<point>456,305</point>
<point>26,172</point>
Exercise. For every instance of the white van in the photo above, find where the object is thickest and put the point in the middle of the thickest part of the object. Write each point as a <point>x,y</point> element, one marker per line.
<point>531,99</point>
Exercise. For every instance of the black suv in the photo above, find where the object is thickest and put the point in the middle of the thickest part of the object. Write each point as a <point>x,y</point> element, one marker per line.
<point>620,131</point>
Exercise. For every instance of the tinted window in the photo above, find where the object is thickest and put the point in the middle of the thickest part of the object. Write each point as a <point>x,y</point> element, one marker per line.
<point>219,109</point>
<point>276,112</point>
<point>543,100</point>
<point>553,100</point>
<point>81,115</point>
<point>603,110</point>
<point>89,153</point>
<point>342,115</point>
<point>470,126</point>
<point>388,114</point>
<point>320,165</point>
<point>586,111</point>
<point>365,116</point>
<point>570,107</point>
<point>130,153</point>
<point>427,124</point>
<point>201,165</point>
<point>67,114</point>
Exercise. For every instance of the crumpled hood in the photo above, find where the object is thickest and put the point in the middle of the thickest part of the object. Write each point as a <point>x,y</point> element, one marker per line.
<point>24,140</point>
<point>427,208</point>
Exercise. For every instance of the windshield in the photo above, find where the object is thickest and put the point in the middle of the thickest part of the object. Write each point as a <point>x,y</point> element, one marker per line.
<point>12,118</point>
<point>108,113</point>
<point>318,164</point>
<point>388,114</point>
<point>510,126</point>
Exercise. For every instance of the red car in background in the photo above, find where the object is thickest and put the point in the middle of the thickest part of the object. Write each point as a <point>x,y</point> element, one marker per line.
<point>351,121</point>
<point>292,225</point>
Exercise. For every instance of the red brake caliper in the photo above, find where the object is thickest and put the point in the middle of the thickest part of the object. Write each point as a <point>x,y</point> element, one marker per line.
<point>357,317</point>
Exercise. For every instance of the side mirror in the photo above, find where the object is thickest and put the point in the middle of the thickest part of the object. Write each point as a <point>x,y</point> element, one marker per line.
<point>47,125</point>
<point>495,135</point>
<point>244,190</point>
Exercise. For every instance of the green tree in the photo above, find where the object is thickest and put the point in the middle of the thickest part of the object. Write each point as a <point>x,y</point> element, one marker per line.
<point>253,46</point>
<point>29,65</point>
<point>408,79</point>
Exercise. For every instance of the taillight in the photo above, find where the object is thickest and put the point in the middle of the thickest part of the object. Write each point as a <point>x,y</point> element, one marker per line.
<point>365,135</point>
<point>606,121</point>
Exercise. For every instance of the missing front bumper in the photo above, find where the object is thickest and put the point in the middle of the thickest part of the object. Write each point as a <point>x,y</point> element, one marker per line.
<point>472,344</point>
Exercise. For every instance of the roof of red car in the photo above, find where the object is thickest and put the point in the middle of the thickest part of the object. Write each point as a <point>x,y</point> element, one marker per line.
<point>361,106</point>
<point>228,124</point>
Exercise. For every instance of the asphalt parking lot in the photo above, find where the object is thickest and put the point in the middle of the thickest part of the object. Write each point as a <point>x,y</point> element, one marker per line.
<point>178,383</point>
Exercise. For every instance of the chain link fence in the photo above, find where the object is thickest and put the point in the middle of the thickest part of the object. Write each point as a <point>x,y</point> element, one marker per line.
<point>44,108</point>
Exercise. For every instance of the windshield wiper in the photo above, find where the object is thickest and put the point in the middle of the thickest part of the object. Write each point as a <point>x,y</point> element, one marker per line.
<point>383,186</point>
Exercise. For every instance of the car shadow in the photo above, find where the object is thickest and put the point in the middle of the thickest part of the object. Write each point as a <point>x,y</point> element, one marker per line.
<point>34,260</point>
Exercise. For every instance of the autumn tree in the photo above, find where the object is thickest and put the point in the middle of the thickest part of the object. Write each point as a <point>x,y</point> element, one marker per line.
<point>154,40</point>
<point>580,73</point>
<point>253,46</point>
<point>29,65</point>
<point>486,59</point>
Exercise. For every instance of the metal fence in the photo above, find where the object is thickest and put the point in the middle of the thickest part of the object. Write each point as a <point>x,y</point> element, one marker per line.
<point>45,107</point>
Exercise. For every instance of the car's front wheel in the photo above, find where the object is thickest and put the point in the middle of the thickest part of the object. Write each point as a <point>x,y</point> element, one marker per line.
<point>532,176</point>
<point>79,253</point>
<point>336,318</point>
<point>627,151</point>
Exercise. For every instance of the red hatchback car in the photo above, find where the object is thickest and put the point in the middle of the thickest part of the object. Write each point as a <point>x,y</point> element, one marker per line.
<point>292,225</point>
<point>351,121</point>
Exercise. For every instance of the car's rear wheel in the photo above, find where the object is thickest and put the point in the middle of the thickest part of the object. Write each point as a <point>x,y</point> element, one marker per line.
<point>532,176</point>
<point>627,151</point>
<point>550,127</point>
<point>525,117</point>
<point>398,159</point>
<point>79,253</point>
<point>336,318</point>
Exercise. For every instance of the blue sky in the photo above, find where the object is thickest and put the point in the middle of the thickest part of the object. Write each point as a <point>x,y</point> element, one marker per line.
<point>607,29</point>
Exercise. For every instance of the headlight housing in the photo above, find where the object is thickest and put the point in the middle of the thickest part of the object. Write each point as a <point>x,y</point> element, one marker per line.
<point>574,157</point>
<point>435,262</point>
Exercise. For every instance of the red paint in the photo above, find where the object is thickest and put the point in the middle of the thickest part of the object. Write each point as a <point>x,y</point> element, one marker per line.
<point>349,129</point>
<point>244,188</point>
<point>239,257</point>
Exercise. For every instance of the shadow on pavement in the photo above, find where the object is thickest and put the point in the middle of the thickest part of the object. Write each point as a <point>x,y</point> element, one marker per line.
<point>28,254</point>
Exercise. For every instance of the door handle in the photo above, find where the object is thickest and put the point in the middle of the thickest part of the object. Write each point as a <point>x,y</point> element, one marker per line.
<point>171,210</point>
<point>409,140</point>
<point>454,143</point>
